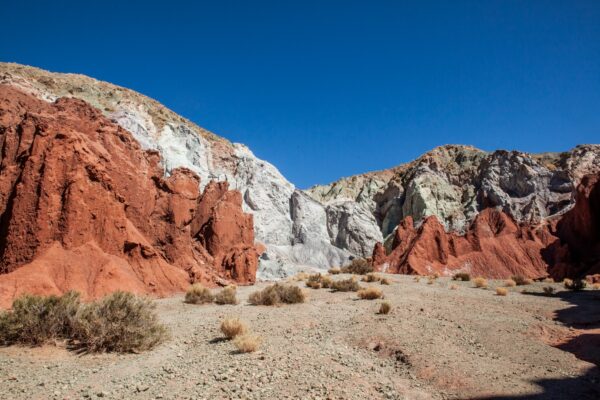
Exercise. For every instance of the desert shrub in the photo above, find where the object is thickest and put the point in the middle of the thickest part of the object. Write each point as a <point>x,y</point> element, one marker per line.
<point>480,282</point>
<point>334,271</point>
<point>121,322</point>
<point>346,285</point>
<point>314,281</point>
<point>227,296</point>
<point>35,320</point>
<point>549,280</point>
<point>510,283</point>
<point>277,294</point>
<point>359,266</point>
<point>198,294</point>
<point>520,280</point>
<point>232,327</point>
<point>385,308</point>
<point>417,278</point>
<point>385,281</point>
<point>453,287</point>
<point>326,282</point>
<point>430,280</point>
<point>577,284</point>
<point>301,276</point>
<point>596,286</point>
<point>247,343</point>
<point>371,277</point>
<point>461,276</point>
<point>370,293</point>
<point>500,291</point>
<point>549,290</point>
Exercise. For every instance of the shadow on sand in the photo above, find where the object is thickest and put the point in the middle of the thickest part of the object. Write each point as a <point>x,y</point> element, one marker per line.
<point>584,315</point>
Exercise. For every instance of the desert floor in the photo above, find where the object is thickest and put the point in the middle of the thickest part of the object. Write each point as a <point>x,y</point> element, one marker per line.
<point>437,343</point>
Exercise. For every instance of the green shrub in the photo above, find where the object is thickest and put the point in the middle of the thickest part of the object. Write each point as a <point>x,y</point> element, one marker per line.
<point>277,294</point>
<point>198,294</point>
<point>358,266</point>
<point>120,322</point>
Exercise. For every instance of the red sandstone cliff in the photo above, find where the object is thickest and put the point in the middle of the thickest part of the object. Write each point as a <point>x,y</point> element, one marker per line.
<point>83,207</point>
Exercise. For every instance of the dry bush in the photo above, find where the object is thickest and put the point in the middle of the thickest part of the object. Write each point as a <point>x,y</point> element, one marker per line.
<point>370,293</point>
<point>314,281</point>
<point>500,291</point>
<point>461,276</point>
<point>277,294</point>
<point>549,290</point>
<point>480,282</point>
<point>577,284</point>
<point>121,322</point>
<point>326,282</point>
<point>417,278</point>
<point>346,285</point>
<point>385,281</point>
<point>227,295</point>
<point>549,280</point>
<point>430,280</point>
<point>359,266</point>
<point>335,271</point>
<point>371,277</point>
<point>300,276</point>
<point>35,320</point>
<point>232,327</point>
<point>385,308</point>
<point>510,283</point>
<point>198,294</point>
<point>247,343</point>
<point>453,287</point>
<point>520,280</point>
<point>596,286</point>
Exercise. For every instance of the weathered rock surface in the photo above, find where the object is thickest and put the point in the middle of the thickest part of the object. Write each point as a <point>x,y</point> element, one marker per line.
<point>83,207</point>
<point>266,194</point>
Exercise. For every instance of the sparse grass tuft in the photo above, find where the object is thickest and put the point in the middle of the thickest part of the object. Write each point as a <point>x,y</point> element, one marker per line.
<point>417,278</point>
<point>326,282</point>
<point>232,327</point>
<point>385,308</point>
<point>480,282</point>
<point>198,294</point>
<point>520,280</point>
<point>549,280</point>
<point>247,343</point>
<point>575,285</point>
<point>371,277</point>
<point>346,285</point>
<point>227,296</point>
<point>549,290</point>
<point>334,271</point>
<point>385,281</point>
<point>461,276</point>
<point>510,283</point>
<point>277,294</point>
<point>500,291</point>
<point>370,293</point>
<point>300,276</point>
<point>358,266</point>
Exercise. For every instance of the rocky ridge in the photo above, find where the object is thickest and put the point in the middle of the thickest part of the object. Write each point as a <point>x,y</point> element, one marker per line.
<point>280,220</point>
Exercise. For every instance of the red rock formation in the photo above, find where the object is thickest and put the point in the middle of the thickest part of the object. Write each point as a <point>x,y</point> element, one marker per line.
<point>578,251</point>
<point>494,246</point>
<point>83,207</point>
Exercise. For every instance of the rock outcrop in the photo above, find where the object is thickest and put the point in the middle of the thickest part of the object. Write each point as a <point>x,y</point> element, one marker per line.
<point>266,194</point>
<point>84,207</point>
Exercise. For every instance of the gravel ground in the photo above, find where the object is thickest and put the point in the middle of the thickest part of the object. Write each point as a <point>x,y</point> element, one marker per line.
<point>437,343</point>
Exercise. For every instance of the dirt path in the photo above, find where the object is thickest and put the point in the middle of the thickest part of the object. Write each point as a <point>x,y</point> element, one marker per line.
<point>437,343</point>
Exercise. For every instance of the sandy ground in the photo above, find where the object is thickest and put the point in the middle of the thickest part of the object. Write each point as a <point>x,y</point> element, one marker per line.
<point>437,343</point>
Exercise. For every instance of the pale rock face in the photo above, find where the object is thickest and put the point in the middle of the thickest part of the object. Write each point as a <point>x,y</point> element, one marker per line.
<point>352,226</point>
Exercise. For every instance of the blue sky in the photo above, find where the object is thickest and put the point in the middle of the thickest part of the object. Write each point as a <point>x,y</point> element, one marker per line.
<point>325,89</point>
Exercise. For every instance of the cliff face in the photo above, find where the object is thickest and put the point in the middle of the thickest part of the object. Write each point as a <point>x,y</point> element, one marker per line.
<point>83,207</point>
<point>455,183</point>
<point>276,205</point>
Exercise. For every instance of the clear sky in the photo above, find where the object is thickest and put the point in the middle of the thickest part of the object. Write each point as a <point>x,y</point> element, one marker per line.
<point>325,89</point>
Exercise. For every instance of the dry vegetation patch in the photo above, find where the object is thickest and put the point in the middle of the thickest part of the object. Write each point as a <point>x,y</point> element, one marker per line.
<point>345,285</point>
<point>277,294</point>
<point>480,282</point>
<point>461,276</point>
<point>198,294</point>
<point>358,266</point>
<point>247,343</point>
<point>227,295</point>
<point>520,280</point>
<point>500,291</point>
<point>232,327</point>
<point>370,293</point>
<point>385,308</point>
